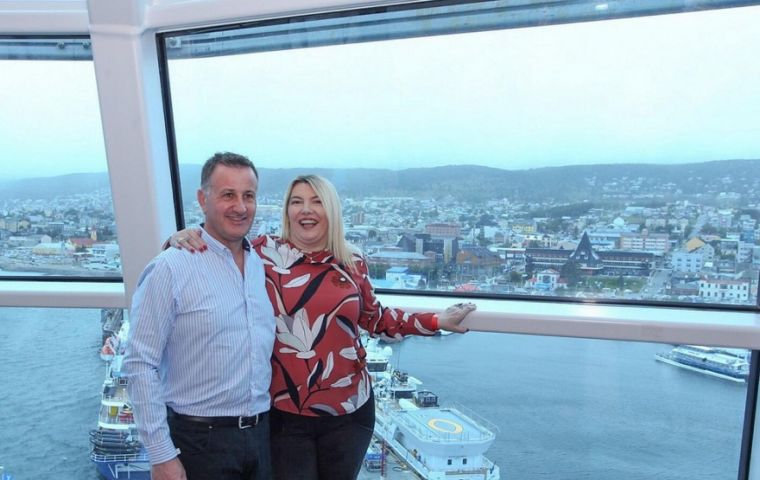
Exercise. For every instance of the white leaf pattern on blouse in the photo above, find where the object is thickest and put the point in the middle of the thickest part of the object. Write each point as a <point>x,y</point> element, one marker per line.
<point>346,329</point>
<point>363,390</point>
<point>343,382</point>
<point>348,406</point>
<point>328,367</point>
<point>313,372</point>
<point>324,408</point>
<point>295,333</point>
<point>317,327</point>
<point>298,281</point>
<point>349,353</point>
<point>283,396</point>
<point>282,257</point>
<point>422,329</point>
<point>306,355</point>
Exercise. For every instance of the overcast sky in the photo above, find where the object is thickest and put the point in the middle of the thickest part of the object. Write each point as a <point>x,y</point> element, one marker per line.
<point>665,89</point>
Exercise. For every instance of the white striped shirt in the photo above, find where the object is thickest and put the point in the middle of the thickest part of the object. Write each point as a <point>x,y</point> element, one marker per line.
<point>200,341</point>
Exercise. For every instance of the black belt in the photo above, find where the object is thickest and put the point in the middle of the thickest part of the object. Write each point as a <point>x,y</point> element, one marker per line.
<point>239,422</point>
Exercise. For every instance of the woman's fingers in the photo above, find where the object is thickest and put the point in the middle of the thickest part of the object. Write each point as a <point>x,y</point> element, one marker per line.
<point>189,240</point>
<point>451,318</point>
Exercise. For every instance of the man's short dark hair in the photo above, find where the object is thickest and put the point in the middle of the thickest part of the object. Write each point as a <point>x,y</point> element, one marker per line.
<point>228,159</point>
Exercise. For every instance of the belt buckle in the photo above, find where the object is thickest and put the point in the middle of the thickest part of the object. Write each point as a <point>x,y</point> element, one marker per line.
<point>240,422</point>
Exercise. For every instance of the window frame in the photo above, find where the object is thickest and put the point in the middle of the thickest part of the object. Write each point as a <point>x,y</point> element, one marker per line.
<point>233,43</point>
<point>124,43</point>
<point>603,319</point>
<point>70,47</point>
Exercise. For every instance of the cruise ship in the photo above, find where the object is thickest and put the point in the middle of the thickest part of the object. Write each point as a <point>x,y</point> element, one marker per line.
<point>728,364</point>
<point>116,448</point>
<point>437,442</point>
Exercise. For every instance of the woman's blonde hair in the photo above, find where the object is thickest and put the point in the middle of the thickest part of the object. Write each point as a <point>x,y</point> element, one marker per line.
<point>336,239</point>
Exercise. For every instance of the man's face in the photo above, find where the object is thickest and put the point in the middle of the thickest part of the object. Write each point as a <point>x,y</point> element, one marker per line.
<point>229,204</point>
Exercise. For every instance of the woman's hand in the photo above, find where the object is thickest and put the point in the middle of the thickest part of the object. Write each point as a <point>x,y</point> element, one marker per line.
<point>451,318</point>
<point>188,239</point>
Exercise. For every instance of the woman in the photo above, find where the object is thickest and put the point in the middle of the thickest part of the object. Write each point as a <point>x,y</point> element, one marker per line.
<point>322,414</point>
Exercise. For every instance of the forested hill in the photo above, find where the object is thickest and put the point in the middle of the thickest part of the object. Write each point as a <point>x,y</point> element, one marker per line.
<point>463,182</point>
<point>562,184</point>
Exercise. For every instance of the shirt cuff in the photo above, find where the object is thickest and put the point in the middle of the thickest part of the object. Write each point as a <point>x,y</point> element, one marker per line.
<point>434,321</point>
<point>161,452</point>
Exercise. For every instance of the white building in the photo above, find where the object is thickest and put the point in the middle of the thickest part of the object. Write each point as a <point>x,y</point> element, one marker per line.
<point>604,239</point>
<point>719,289</point>
<point>688,262</point>
<point>648,242</point>
<point>107,251</point>
<point>546,280</point>
<point>744,252</point>
<point>49,248</point>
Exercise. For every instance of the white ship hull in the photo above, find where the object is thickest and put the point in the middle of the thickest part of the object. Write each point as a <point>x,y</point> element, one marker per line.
<point>436,442</point>
<point>724,363</point>
<point>427,463</point>
<point>703,371</point>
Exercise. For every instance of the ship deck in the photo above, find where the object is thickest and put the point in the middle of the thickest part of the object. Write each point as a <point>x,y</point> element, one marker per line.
<point>395,469</point>
<point>444,425</point>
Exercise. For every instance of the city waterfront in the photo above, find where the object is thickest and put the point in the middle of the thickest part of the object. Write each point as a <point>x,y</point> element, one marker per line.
<point>565,408</point>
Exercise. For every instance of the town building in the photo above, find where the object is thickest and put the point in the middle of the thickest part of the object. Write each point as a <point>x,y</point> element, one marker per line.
<point>719,289</point>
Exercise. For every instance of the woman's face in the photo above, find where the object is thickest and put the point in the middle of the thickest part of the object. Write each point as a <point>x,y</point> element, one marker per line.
<point>307,219</point>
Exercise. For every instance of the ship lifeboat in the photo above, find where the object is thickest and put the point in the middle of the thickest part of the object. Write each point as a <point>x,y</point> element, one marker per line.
<point>108,350</point>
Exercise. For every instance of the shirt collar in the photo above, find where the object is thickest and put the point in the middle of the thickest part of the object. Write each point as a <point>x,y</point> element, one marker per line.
<point>218,246</point>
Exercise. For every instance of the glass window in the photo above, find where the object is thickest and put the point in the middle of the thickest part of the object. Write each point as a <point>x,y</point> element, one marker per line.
<point>597,408</point>
<point>53,385</point>
<point>56,213</point>
<point>613,160</point>
<point>600,409</point>
<point>550,407</point>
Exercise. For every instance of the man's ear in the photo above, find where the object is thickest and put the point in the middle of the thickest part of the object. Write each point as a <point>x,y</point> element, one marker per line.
<point>202,199</point>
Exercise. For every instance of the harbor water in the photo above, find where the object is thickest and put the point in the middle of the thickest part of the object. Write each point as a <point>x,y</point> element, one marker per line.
<point>52,377</point>
<point>565,408</point>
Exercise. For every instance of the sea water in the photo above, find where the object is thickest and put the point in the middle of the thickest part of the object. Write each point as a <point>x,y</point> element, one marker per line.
<point>51,378</point>
<point>565,408</point>
<point>585,409</point>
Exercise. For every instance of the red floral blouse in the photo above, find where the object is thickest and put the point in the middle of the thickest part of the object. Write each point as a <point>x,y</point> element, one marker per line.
<point>318,366</point>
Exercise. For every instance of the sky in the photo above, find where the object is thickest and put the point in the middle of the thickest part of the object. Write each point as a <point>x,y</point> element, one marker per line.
<point>665,89</point>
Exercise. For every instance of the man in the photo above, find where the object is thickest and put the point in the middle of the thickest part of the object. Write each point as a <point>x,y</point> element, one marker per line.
<point>201,337</point>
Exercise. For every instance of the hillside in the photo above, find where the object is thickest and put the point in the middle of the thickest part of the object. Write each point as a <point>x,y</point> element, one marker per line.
<point>464,182</point>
